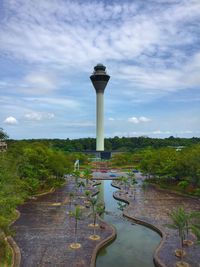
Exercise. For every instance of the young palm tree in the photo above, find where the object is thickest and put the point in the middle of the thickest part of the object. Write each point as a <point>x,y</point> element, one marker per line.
<point>76,214</point>
<point>81,185</point>
<point>87,194</point>
<point>71,195</point>
<point>133,183</point>
<point>87,174</point>
<point>126,183</point>
<point>93,203</point>
<point>97,209</point>
<point>196,231</point>
<point>193,224</point>
<point>76,174</point>
<point>179,218</point>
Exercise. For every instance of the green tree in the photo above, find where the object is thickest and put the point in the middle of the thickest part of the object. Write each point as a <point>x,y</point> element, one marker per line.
<point>3,134</point>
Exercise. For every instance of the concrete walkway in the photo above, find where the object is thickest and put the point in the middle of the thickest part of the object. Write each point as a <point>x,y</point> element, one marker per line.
<point>45,230</point>
<point>152,206</point>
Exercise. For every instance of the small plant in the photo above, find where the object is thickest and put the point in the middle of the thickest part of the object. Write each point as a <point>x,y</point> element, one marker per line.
<point>183,185</point>
<point>121,205</point>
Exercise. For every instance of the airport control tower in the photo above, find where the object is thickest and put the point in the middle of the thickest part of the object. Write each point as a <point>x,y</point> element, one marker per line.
<point>99,80</point>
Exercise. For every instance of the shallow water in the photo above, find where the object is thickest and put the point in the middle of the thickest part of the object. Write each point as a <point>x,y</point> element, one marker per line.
<point>134,245</point>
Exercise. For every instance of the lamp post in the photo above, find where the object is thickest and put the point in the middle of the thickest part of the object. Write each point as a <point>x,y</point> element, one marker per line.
<point>99,80</point>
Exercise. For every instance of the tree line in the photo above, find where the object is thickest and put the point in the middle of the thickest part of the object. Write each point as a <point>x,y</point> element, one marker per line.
<point>126,144</point>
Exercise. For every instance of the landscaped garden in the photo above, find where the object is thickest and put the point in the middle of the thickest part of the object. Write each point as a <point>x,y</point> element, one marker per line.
<point>66,219</point>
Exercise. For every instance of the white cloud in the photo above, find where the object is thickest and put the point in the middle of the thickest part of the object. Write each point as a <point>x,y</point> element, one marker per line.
<point>139,119</point>
<point>111,119</point>
<point>159,132</point>
<point>144,119</point>
<point>39,82</point>
<point>80,124</point>
<point>10,120</point>
<point>55,101</point>
<point>133,120</point>
<point>38,116</point>
<point>71,34</point>
<point>151,50</point>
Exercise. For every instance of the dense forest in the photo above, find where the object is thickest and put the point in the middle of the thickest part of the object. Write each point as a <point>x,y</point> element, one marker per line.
<point>113,144</point>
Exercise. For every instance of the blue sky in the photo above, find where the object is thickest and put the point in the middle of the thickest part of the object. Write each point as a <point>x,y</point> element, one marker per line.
<point>48,49</point>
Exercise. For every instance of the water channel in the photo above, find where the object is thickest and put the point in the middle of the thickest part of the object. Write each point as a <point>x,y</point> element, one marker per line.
<point>134,245</point>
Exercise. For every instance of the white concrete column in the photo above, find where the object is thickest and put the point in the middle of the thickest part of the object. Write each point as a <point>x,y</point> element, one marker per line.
<point>100,122</point>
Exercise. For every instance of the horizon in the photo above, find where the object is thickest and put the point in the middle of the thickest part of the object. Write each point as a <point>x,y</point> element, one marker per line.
<point>150,49</point>
<point>71,139</point>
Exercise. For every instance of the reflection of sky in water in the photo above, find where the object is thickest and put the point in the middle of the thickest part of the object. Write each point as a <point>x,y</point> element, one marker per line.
<point>135,244</point>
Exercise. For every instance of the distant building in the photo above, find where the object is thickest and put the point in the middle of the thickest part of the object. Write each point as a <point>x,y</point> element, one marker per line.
<point>179,148</point>
<point>3,146</point>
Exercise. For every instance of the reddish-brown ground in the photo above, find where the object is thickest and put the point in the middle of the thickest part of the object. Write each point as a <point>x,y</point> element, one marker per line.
<point>152,205</point>
<point>45,231</point>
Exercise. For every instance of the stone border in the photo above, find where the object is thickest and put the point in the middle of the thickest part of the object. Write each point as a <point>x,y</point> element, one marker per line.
<point>102,244</point>
<point>16,254</point>
<point>45,193</point>
<point>156,259</point>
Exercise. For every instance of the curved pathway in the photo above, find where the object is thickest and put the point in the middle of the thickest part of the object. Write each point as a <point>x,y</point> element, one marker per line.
<point>44,232</point>
<point>151,206</point>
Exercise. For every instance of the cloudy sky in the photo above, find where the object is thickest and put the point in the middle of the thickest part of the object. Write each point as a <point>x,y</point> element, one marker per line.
<point>48,49</point>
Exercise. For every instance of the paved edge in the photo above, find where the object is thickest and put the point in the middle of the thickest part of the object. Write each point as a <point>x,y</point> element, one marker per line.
<point>156,259</point>
<point>102,244</point>
<point>16,254</point>
<point>45,193</point>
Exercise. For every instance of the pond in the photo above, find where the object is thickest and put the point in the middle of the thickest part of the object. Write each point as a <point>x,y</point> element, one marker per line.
<point>135,244</point>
